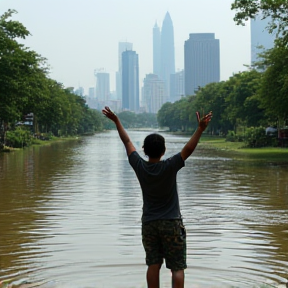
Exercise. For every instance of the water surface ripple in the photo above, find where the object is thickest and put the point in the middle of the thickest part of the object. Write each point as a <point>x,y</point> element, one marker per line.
<point>70,217</point>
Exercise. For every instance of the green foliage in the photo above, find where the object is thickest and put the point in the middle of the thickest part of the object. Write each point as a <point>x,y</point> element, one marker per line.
<point>255,137</point>
<point>25,88</point>
<point>212,97</point>
<point>18,138</point>
<point>233,137</point>
<point>132,120</point>
<point>276,10</point>
<point>176,115</point>
<point>234,102</point>
<point>274,86</point>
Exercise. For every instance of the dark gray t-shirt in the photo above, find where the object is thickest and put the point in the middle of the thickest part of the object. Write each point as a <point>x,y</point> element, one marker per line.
<point>159,188</point>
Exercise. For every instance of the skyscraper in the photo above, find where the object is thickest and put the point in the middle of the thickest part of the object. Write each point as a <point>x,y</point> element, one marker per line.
<point>130,81</point>
<point>122,46</point>
<point>260,36</point>
<point>177,86</point>
<point>201,61</point>
<point>91,92</point>
<point>153,93</point>
<point>156,50</point>
<point>102,86</point>
<point>164,52</point>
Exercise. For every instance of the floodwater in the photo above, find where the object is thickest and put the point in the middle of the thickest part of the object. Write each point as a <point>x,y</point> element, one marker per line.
<point>70,217</point>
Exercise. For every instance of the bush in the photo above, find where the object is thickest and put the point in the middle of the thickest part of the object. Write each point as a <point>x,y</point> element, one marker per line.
<point>18,138</point>
<point>231,136</point>
<point>256,137</point>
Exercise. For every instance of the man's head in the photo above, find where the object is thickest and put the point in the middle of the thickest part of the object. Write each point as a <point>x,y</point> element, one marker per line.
<point>154,145</point>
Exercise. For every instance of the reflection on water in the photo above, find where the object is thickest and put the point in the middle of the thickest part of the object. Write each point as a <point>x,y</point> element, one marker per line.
<point>70,217</point>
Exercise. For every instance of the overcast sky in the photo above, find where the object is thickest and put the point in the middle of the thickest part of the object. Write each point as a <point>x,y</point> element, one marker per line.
<point>79,36</point>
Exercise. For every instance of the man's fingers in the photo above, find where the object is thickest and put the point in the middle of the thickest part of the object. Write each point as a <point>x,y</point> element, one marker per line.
<point>198,116</point>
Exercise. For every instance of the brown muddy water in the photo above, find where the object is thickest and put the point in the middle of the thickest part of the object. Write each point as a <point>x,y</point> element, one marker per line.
<point>70,217</point>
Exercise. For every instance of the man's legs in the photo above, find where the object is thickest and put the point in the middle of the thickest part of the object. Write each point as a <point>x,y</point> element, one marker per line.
<point>178,279</point>
<point>153,272</point>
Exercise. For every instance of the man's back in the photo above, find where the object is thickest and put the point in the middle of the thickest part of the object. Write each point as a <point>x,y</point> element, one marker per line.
<point>159,188</point>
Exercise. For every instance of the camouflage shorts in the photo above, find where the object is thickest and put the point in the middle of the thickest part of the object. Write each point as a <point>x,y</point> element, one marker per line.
<point>165,239</point>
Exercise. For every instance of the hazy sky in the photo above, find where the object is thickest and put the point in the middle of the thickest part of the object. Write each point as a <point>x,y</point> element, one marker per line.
<point>79,36</point>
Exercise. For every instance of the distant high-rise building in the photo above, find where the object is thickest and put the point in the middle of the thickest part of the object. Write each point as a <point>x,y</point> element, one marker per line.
<point>164,52</point>
<point>91,92</point>
<point>130,81</point>
<point>122,46</point>
<point>260,36</point>
<point>102,86</point>
<point>156,50</point>
<point>153,93</point>
<point>201,61</point>
<point>79,91</point>
<point>177,86</point>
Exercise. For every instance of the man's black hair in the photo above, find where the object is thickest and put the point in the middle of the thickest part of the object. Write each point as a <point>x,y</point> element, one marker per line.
<point>154,145</point>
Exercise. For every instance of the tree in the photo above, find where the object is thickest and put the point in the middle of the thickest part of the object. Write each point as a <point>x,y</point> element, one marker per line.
<point>22,73</point>
<point>165,116</point>
<point>276,10</point>
<point>243,104</point>
<point>14,62</point>
<point>212,98</point>
<point>274,89</point>
<point>274,84</point>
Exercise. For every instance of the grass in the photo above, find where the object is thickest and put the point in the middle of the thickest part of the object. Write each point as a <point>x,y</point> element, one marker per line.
<point>52,140</point>
<point>38,142</point>
<point>239,150</point>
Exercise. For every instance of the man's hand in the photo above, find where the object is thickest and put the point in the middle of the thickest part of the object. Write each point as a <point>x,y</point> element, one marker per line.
<point>204,121</point>
<point>109,114</point>
<point>122,133</point>
<point>192,143</point>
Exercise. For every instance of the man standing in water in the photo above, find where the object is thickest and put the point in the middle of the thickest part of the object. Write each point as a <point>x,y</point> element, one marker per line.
<point>163,233</point>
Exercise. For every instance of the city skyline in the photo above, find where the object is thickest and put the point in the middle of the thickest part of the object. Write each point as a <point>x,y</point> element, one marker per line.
<point>84,35</point>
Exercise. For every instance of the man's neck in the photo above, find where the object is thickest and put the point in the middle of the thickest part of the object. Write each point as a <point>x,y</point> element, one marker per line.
<point>154,160</point>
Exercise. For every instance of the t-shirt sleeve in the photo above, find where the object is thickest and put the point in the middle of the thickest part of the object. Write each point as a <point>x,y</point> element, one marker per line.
<point>176,161</point>
<point>134,159</point>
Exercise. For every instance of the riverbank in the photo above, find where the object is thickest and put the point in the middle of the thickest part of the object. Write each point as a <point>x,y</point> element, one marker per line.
<point>38,142</point>
<point>239,151</point>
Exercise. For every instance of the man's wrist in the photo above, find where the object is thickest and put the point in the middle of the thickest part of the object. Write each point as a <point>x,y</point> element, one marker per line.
<point>200,129</point>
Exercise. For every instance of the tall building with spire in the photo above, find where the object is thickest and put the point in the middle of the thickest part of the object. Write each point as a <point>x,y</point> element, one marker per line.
<point>164,53</point>
<point>130,81</point>
<point>156,50</point>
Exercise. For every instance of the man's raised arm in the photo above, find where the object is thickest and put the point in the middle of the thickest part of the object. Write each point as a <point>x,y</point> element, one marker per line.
<point>192,143</point>
<point>121,131</point>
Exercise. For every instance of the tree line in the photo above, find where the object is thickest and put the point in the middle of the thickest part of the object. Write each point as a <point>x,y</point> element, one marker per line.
<point>254,98</point>
<point>25,88</point>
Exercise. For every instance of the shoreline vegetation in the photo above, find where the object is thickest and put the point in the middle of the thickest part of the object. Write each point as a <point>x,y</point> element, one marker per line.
<point>236,150</point>
<point>38,142</point>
